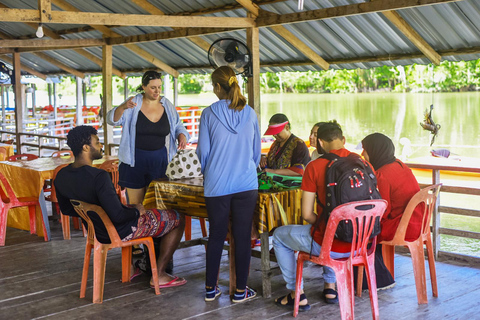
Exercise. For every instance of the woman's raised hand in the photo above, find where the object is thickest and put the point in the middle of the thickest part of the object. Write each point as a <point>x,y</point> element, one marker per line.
<point>182,141</point>
<point>129,104</point>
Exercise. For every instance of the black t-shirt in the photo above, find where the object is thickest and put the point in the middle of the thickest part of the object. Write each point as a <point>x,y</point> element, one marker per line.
<point>151,135</point>
<point>93,185</point>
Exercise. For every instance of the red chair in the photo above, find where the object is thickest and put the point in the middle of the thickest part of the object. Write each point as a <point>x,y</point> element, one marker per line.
<point>111,166</point>
<point>361,219</point>
<point>9,200</point>
<point>188,227</point>
<point>101,249</point>
<point>428,196</point>
<point>22,156</point>
<point>63,153</point>
<point>64,219</point>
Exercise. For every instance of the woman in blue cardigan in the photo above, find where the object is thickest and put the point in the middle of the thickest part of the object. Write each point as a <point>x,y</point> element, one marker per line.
<point>229,150</point>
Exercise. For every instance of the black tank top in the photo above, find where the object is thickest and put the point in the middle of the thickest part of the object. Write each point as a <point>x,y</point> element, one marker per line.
<point>151,135</point>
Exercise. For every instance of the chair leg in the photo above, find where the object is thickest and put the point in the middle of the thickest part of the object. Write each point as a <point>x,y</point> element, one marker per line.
<point>188,228</point>
<point>99,264</point>
<point>418,261</point>
<point>153,264</point>
<point>44,228</point>
<point>126,263</point>
<point>388,253</point>
<point>359,280</point>
<point>203,226</point>
<point>66,227</point>
<point>76,224</point>
<point>298,283</point>
<point>86,263</point>
<point>3,225</point>
<point>345,292</point>
<point>372,287</point>
<point>33,225</point>
<point>431,265</point>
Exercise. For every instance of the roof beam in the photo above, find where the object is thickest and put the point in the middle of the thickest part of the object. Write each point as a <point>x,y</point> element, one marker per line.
<point>154,10</point>
<point>344,11</point>
<point>413,36</point>
<point>59,64</point>
<point>52,43</point>
<point>227,7</point>
<point>97,18</point>
<point>288,36</point>
<point>45,10</point>
<point>140,52</point>
<point>24,67</point>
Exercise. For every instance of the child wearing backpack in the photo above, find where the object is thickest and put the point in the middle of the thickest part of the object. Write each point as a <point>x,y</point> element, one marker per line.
<point>291,238</point>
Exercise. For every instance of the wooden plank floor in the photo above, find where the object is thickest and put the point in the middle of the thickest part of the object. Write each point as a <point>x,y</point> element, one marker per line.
<point>40,280</point>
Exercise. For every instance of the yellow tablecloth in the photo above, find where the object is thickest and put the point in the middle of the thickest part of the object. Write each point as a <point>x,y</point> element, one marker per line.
<point>9,147</point>
<point>186,196</point>
<point>27,179</point>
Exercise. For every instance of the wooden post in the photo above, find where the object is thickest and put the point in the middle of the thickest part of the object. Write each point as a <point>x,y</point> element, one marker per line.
<point>17,89</point>
<point>49,87</point>
<point>55,106</point>
<point>167,88</point>
<point>126,92</point>
<point>3,107</point>
<point>78,82</point>
<point>34,99</point>
<point>107,95</point>
<point>84,93</point>
<point>436,217</point>
<point>254,81</point>
<point>175,92</point>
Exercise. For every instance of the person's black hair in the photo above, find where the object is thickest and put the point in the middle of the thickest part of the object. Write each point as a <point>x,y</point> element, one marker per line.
<point>80,136</point>
<point>329,131</point>
<point>279,118</point>
<point>147,76</point>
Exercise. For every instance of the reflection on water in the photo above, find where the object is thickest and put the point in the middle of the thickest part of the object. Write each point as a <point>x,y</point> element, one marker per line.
<point>398,115</point>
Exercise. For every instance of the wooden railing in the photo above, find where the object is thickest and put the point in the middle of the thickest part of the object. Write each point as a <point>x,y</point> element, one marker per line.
<point>473,189</point>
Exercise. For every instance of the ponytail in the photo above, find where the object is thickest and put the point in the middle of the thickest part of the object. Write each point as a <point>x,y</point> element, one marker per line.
<point>225,76</point>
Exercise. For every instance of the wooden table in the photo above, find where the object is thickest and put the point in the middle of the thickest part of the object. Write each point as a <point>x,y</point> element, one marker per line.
<point>186,196</point>
<point>27,179</point>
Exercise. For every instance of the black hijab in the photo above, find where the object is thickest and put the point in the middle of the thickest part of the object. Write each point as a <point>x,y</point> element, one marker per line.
<point>380,149</point>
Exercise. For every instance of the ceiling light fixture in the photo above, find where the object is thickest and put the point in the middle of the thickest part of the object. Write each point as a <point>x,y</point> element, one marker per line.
<point>300,5</point>
<point>39,32</point>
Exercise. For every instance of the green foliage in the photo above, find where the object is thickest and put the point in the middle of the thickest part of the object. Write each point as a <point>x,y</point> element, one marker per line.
<point>192,83</point>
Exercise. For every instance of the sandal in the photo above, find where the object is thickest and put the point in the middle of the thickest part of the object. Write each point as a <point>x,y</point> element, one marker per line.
<point>137,251</point>
<point>332,292</point>
<point>291,302</point>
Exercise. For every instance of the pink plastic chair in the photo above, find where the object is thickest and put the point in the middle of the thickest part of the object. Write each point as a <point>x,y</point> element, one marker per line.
<point>362,218</point>
<point>22,156</point>
<point>9,200</point>
<point>101,250</point>
<point>111,166</point>
<point>428,196</point>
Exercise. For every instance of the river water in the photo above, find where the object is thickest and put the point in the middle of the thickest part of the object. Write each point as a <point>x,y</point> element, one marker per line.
<point>396,115</point>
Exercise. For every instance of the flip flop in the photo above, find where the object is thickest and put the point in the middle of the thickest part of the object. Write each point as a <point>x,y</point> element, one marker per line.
<point>175,282</point>
<point>136,273</point>
<point>330,300</point>
<point>291,302</point>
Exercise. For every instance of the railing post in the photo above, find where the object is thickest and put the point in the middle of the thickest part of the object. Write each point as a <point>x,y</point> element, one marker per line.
<point>436,216</point>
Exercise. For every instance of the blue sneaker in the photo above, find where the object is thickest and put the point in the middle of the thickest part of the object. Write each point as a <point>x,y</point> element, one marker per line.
<point>248,294</point>
<point>213,294</point>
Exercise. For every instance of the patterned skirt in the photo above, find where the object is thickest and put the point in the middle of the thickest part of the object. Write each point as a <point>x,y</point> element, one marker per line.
<point>154,223</point>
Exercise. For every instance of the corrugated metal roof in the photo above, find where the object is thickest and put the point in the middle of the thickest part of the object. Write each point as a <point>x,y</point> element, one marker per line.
<point>445,27</point>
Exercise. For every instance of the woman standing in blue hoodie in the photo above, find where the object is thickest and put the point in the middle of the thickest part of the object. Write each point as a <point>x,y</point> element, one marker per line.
<point>229,149</point>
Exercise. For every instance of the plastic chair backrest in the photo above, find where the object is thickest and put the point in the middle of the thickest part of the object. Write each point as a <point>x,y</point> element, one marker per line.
<point>53,194</point>
<point>6,191</point>
<point>3,154</point>
<point>428,196</point>
<point>362,215</point>
<point>62,153</point>
<point>22,156</point>
<point>82,208</point>
<point>111,166</point>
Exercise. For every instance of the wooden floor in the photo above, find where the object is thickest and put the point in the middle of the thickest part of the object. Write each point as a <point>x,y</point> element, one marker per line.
<point>40,280</point>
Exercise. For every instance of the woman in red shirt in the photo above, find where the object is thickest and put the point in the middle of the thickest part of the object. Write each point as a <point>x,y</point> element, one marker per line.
<point>397,185</point>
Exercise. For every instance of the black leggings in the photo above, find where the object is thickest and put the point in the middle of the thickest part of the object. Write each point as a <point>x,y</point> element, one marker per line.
<point>241,206</point>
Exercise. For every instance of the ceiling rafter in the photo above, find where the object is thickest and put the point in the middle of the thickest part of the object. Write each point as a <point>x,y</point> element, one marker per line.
<point>150,8</point>
<point>34,72</point>
<point>137,50</point>
<point>288,36</point>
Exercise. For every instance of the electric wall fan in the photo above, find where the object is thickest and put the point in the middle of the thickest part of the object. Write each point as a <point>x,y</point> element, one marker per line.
<point>5,74</point>
<point>233,53</point>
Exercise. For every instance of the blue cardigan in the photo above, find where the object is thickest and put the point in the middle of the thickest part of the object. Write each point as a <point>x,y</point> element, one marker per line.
<point>126,152</point>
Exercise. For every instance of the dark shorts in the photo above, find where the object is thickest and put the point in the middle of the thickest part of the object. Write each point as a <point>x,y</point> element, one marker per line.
<point>149,165</point>
<point>154,223</point>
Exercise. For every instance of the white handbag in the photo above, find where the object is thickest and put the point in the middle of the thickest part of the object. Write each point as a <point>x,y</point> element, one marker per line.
<point>184,164</point>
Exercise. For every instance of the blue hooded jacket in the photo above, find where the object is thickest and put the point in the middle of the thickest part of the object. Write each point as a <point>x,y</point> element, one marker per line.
<point>229,149</point>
